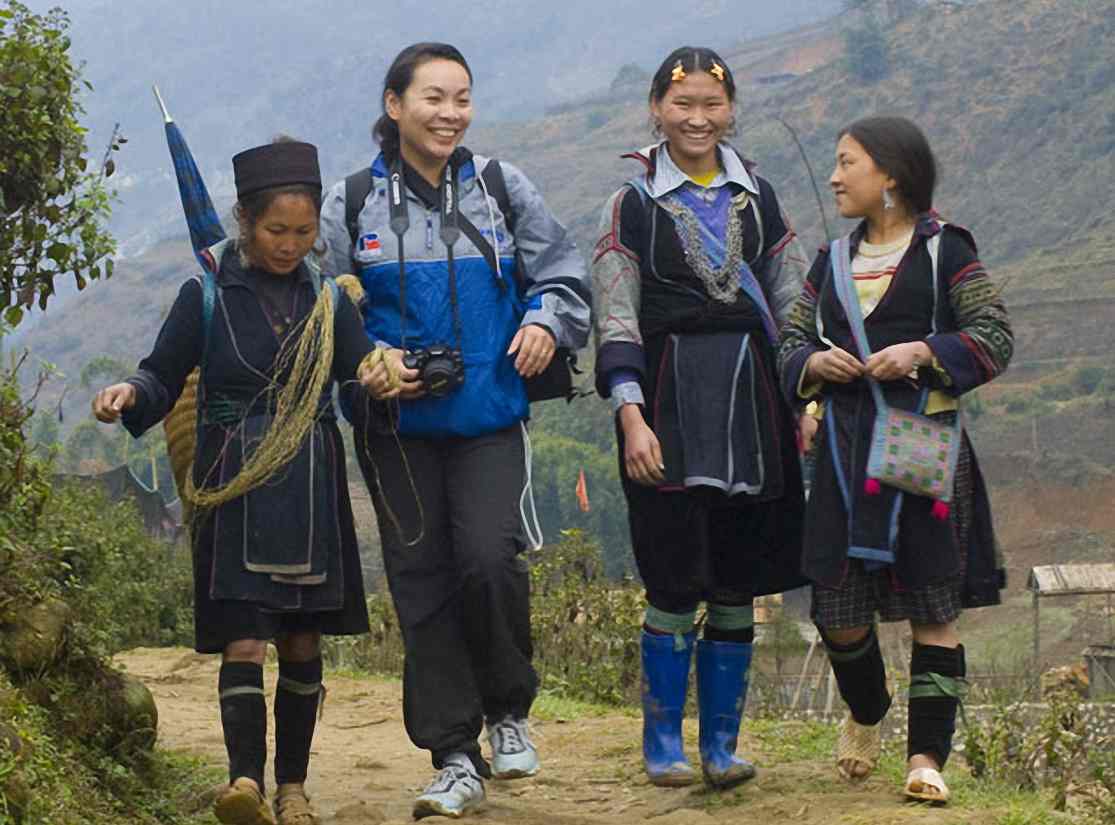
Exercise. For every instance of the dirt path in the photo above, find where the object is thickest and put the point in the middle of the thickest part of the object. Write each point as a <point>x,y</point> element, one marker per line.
<point>364,769</point>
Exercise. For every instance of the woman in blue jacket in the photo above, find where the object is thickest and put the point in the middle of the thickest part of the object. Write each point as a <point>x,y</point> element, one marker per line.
<point>471,288</point>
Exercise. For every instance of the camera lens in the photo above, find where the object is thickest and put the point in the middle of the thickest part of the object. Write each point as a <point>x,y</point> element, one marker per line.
<point>438,376</point>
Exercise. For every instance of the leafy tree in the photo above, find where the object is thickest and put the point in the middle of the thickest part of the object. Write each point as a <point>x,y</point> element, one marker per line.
<point>558,461</point>
<point>885,11</point>
<point>52,208</point>
<point>630,74</point>
<point>45,429</point>
<point>867,51</point>
<point>89,448</point>
<point>103,369</point>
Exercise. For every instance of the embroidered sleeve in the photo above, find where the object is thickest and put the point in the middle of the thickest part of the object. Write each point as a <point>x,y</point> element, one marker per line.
<point>784,264</point>
<point>982,344</point>
<point>800,338</point>
<point>616,292</point>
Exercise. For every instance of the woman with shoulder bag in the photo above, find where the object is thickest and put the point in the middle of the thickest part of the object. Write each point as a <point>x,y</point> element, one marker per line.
<point>895,323</point>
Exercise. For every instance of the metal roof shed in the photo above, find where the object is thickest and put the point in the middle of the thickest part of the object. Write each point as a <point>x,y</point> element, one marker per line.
<point>1067,580</point>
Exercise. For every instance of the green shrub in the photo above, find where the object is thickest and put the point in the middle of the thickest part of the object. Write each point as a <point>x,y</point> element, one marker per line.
<point>126,587</point>
<point>1059,390</point>
<point>586,627</point>
<point>1087,379</point>
<point>79,579</point>
<point>1066,745</point>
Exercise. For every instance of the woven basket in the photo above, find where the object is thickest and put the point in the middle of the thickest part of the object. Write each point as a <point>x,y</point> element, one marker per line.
<point>181,439</point>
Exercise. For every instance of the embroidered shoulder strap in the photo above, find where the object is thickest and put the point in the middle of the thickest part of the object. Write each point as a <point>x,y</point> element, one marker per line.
<point>844,283</point>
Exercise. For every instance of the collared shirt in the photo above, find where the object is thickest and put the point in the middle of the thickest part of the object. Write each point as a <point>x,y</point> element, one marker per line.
<point>668,177</point>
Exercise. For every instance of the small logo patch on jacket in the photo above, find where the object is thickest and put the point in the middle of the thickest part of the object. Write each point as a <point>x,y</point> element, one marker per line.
<point>487,233</point>
<point>369,247</point>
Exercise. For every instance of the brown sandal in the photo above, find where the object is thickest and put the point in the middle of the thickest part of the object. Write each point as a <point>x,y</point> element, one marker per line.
<point>243,804</point>
<point>858,745</point>
<point>292,806</point>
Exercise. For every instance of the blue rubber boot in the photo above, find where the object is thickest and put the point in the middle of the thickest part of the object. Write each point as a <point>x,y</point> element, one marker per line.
<point>721,694</point>
<point>665,681</point>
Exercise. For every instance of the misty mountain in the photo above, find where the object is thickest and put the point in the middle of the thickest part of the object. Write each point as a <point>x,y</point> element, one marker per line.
<point>235,74</point>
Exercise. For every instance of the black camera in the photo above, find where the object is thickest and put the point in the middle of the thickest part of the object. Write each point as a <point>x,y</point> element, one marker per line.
<point>440,369</point>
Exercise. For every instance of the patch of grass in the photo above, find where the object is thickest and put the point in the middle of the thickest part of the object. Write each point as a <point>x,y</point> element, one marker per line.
<point>1024,813</point>
<point>1000,803</point>
<point>793,740</point>
<point>551,707</point>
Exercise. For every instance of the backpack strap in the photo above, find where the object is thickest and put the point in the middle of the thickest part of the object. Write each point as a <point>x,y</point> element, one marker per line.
<point>357,187</point>
<point>496,184</point>
<point>315,274</point>
<point>208,302</point>
<point>208,278</point>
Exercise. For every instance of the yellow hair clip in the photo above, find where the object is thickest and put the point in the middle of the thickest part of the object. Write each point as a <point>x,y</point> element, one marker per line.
<point>717,71</point>
<point>678,73</point>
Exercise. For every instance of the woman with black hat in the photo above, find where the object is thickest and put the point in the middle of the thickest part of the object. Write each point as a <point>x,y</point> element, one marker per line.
<point>274,550</point>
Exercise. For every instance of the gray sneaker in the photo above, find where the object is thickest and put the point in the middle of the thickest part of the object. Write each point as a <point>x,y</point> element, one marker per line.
<point>513,754</point>
<point>455,790</point>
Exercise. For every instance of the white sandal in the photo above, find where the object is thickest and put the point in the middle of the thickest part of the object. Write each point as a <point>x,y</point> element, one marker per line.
<point>926,785</point>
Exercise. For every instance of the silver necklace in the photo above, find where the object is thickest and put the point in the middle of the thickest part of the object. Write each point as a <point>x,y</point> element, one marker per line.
<point>722,282</point>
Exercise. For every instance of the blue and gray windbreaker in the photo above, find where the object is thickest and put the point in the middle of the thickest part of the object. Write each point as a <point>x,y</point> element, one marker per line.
<point>552,289</point>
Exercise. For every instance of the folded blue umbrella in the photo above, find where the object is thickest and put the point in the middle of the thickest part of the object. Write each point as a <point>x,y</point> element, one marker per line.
<point>201,218</point>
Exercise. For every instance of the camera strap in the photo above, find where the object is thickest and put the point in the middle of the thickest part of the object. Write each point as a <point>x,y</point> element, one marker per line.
<point>450,232</point>
<point>399,223</point>
<point>446,199</point>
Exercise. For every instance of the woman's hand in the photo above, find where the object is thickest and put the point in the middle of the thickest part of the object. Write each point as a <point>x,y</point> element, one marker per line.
<point>642,454</point>
<point>377,380</point>
<point>807,430</point>
<point>535,346</point>
<point>834,366</point>
<point>898,360</point>
<point>111,401</point>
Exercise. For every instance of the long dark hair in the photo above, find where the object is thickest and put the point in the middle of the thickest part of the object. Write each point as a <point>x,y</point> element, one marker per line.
<point>900,149</point>
<point>693,59</point>
<point>398,80</point>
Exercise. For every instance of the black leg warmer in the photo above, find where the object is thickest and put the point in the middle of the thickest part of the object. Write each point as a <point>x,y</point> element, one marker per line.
<point>244,719</point>
<point>861,677</point>
<point>743,635</point>
<point>297,697</point>
<point>936,688</point>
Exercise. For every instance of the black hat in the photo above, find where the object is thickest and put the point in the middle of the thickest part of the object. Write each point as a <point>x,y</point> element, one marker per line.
<point>287,163</point>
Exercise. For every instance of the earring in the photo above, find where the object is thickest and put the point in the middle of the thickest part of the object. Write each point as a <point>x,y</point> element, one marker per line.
<point>888,201</point>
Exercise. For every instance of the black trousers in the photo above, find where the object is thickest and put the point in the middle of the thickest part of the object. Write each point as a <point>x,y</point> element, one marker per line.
<point>462,592</point>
